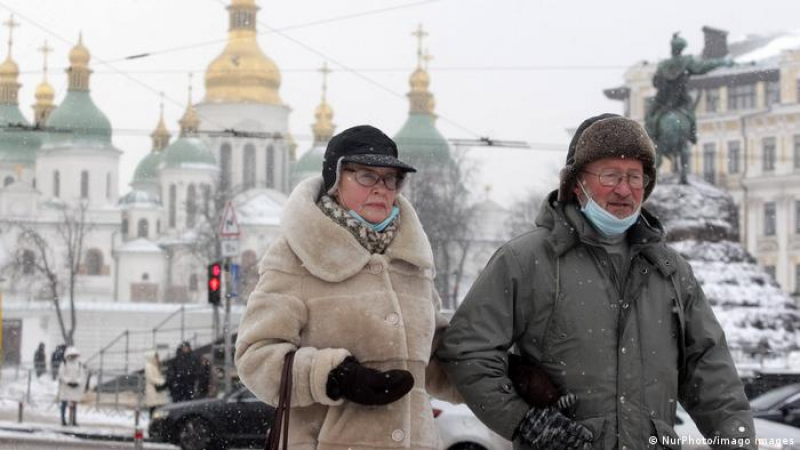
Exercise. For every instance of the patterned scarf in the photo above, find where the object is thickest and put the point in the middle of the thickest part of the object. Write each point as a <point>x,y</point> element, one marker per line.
<point>373,241</point>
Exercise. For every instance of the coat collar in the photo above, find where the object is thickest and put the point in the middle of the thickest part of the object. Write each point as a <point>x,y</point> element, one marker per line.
<point>330,252</point>
<point>569,227</point>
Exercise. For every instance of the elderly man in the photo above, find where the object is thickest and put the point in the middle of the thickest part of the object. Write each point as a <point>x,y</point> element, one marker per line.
<point>595,302</point>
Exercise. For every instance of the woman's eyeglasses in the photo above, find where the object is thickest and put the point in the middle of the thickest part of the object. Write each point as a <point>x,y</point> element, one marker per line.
<point>368,178</point>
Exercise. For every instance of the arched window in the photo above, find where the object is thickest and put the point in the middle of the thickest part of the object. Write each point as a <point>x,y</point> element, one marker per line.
<point>84,184</point>
<point>8,181</point>
<point>125,226</point>
<point>108,186</point>
<point>141,228</point>
<point>173,194</point>
<point>56,184</point>
<point>191,206</point>
<point>193,282</point>
<point>94,262</point>
<point>158,226</point>
<point>270,167</point>
<point>206,193</point>
<point>28,262</point>
<point>249,167</point>
<point>225,166</point>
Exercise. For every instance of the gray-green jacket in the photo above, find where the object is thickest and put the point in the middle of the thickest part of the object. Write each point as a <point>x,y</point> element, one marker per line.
<point>629,354</point>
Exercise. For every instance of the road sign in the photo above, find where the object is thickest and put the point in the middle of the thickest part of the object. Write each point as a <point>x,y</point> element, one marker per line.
<point>229,226</point>
<point>230,248</point>
<point>235,276</point>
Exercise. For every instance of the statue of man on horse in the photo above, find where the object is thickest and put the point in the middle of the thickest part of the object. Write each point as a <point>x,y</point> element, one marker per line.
<point>670,119</point>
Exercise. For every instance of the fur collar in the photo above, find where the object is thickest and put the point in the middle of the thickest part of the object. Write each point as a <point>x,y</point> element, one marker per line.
<point>331,252</point>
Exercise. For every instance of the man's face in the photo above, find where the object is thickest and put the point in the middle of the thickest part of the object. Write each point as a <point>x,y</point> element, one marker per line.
<point>621,200</point>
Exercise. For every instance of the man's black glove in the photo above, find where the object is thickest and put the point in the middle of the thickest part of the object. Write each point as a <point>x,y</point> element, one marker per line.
<point>548,429</point>
<point>367,386</point>
<point>531,382</point>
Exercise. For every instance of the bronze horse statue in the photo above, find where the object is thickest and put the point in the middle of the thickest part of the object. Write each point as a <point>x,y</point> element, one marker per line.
<point>673,135</point>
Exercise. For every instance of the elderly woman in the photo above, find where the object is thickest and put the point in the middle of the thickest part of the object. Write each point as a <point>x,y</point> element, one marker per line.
<point>349,287</point>
<point>71,379</point>
<point>155,385</point>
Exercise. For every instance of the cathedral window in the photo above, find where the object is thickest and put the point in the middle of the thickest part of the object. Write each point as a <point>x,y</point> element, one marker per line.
<point>108,186</point>
<point>191,206</point>
<point>84,184</point>
<point>249,167</point>
<point>225,166</point>
<point>56,184</point>
<point>173,194</point>
<point>125,225</point>
<point>8,181</point>
<point>270,167</point>
<point>193,282</point>
<point>94,262</point>
<point>206,192</point>
<point>142,228</point>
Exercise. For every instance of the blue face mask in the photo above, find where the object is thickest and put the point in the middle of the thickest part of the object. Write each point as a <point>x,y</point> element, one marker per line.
<point>378,227</point>
<point>605,222</point>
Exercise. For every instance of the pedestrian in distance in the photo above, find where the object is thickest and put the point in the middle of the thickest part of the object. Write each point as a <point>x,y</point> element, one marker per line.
<point>71,385</point>
<point>40,360</point>
<point>182,374</point>
<point>614,317</point>
<point>348,286</point>
<point>155,387</point>
<point>56,359</point>
<point>206,386</point>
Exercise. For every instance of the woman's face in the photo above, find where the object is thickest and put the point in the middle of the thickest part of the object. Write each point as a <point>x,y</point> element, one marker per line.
<point>373,203</point>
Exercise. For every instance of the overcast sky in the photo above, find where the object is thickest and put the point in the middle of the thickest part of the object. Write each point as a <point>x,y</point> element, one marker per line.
<point>509,69</point>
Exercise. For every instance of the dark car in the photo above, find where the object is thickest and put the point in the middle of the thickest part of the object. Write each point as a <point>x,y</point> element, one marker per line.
<point>236,420</point>
<point>779,405</point>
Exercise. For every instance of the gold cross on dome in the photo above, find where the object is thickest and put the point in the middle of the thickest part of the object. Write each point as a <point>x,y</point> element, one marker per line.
<point>44,50</point>
<point>324,70</point>
<point>11,24</point>
<point>420,34</point>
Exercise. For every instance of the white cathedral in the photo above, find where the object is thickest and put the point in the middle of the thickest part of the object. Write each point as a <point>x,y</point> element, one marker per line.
<point>141,246</point>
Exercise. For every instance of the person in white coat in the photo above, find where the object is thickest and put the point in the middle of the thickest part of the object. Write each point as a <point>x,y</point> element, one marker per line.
<point>71,381</point>
<point>155,393</point>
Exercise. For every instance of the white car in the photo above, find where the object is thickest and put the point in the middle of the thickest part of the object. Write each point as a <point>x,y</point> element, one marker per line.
<point>770,435</point>
<point>461,430</point>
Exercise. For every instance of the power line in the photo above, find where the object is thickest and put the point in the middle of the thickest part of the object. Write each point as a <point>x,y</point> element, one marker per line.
<point>270,31</point>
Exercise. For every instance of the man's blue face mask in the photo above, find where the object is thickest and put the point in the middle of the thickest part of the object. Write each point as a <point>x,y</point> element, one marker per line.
<point>605,222</point>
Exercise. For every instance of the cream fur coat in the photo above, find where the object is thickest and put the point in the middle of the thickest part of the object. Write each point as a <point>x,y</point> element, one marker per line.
<point>322,294</point>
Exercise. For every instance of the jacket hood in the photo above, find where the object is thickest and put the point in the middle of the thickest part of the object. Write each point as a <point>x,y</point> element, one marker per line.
<point>330,252</point>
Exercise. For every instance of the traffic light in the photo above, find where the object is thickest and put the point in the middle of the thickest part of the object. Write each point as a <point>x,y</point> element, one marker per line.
<point>214,282</point>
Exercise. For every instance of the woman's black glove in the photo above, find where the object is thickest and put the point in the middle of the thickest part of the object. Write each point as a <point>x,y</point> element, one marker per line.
<point>160,387</point>
<point>73,384</point>
<point>367,386</point>
<point>548,429</point>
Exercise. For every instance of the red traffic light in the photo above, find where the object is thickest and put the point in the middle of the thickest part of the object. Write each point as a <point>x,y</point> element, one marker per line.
<point>216,270</point>
<point>213,284</point>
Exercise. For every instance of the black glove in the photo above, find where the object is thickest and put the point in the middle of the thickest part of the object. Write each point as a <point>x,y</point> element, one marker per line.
<point>160,387</point>
<point>360,384</point>
<point>548,429</point>
<point>73,384</point>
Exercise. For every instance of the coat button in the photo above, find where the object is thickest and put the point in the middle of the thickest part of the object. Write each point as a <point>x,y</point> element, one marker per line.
<point>623,350</point>
<point>398,435</point>
<point>393,318</point>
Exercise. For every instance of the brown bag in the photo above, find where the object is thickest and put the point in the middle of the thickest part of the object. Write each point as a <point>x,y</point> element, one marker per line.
<point>281,418</point>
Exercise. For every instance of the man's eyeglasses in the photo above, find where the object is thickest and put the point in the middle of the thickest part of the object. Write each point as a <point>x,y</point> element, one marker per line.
<point>368,178</point>
<point>612,178</point>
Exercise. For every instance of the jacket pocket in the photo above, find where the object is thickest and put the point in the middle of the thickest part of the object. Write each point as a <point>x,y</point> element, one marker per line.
<point>665,436</point>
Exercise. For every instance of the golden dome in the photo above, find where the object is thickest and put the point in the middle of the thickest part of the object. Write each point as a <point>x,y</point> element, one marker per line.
<point>45,93</point>
<point>79,55</point>
<point>9,69</point>
<point>323,128</point>
<point>242,73</point>
<point>419,80</point>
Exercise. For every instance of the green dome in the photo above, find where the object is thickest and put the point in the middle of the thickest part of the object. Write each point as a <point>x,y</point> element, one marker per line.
<point>187,152</point>
<point>78,114</point>
<point>17,145</point>
<point>311,161</point>
<point>147,169</point>
<point>420,143</point>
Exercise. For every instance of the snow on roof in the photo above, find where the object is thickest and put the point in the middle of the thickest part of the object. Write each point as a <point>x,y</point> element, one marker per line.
<point>140,245</point>
<point>771,49</point>
<point>260,207</point>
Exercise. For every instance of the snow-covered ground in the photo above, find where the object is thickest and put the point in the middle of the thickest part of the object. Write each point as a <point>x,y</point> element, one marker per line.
<point>43,411</point>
